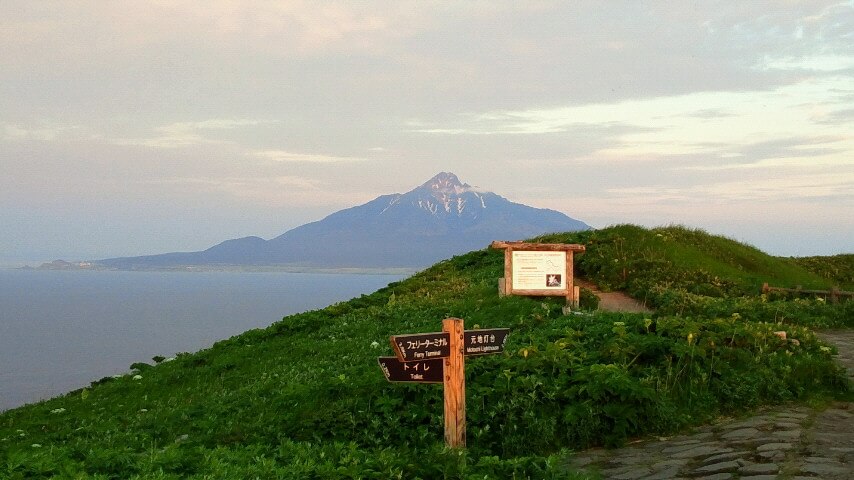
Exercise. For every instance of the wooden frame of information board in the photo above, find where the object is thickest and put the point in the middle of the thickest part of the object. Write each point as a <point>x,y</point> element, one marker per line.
<point>540,269</point>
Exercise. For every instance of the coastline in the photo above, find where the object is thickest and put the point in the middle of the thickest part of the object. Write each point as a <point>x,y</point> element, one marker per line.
<point>85,266</point>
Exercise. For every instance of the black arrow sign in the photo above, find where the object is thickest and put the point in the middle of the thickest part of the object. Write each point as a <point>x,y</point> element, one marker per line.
<point>421,346</point>
<point>423,371</point>
<point>486,341</point>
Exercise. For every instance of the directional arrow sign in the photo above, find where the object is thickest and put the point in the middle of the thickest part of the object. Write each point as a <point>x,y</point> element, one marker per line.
<point>484,342</point>
<point>421,346</point>
<point>423,371</point>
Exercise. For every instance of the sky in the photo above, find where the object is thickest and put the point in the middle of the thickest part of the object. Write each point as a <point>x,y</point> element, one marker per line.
<point>131,128</point>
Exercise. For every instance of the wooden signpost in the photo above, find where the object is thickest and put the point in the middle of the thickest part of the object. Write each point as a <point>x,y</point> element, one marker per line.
<point>440,357</point>
<point>539,269</point>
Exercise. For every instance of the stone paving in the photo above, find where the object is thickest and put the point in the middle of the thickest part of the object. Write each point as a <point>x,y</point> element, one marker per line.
<point>787,442</point>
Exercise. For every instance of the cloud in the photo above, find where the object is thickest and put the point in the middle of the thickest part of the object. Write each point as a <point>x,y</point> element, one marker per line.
<point>280,190</point>
<point>817,63</point>
<point>85,30</point>
<point>714,123</point>
<point>184,134</point>
<point>45,132</point>
<point>783,188</point>
<point>795,151</point>
<point>291,157</point>
<point>836,117</point>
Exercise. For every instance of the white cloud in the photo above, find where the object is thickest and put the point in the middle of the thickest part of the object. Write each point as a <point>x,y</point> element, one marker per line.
<point>45,132</point>
<point>783,188</point>
<point>818,63</point>
<point>279,190</point>
<point>713,123</point>
<point>184,134</point>
<point>292,157</point>
<point>83,31</point>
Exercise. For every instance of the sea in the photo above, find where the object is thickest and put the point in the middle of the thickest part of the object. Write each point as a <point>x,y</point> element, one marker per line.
<point>61,330</point>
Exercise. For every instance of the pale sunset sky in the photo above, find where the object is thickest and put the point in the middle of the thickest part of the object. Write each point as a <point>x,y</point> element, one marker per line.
<point>131,128</point>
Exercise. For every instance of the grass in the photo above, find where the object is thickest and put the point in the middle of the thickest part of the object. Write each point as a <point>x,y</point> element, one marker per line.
<point>838,269</point>
<point>305,398</point>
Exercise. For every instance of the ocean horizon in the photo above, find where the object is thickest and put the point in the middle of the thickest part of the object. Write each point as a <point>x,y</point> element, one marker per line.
<point>62,330</point>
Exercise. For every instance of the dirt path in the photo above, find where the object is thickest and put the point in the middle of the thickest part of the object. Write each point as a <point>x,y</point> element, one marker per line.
<point>614,301</point>
<point>788,442</point>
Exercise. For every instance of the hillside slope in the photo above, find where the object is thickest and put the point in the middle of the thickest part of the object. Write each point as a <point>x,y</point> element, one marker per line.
<point>837,269</point>
<point>305,397</point>
<point>632,258</point>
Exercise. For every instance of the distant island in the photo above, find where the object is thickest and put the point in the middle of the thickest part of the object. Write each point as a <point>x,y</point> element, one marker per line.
<point>63,265</point>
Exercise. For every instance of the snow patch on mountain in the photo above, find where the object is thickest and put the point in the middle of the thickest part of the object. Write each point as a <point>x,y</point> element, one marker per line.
<point>394,201</point>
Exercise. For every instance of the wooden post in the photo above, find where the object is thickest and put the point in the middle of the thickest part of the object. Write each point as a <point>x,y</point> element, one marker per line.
<point>455,385</point>
<point>571,299</point>
<point>508,271</point>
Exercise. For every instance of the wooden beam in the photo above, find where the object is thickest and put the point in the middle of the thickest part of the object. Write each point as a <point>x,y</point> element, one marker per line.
<point>508,271</point>
<point>568,281</point>
<point>834,291</point>
<point>553,247</point>
<point>455,385</point>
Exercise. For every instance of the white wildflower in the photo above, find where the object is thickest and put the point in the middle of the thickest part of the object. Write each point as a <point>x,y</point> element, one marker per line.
<point>58,410</point>
<point>137,377</point>
<point>37,445</point>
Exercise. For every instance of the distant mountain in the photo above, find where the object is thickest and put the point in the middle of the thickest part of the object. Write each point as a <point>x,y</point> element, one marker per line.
<point>441,218</point>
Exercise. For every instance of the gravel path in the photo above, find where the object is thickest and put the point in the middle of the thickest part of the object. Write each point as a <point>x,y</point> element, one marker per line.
<point>787,442</point>
<point>614,301</point>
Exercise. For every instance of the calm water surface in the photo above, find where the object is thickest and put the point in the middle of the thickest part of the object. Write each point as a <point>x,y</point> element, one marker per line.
<point>60,330</point>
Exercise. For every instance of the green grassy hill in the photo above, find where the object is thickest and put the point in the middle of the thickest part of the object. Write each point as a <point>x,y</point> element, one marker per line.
<point>627,257</point>
<point>305,397</point>
<point>838,269</point>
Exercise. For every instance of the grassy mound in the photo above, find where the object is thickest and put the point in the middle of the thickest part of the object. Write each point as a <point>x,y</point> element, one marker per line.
<point>838,269</point>
<point>305,398</point>
<point>688,272</point>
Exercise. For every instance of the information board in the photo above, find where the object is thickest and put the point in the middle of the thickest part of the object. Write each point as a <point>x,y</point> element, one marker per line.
<point>539,270</point>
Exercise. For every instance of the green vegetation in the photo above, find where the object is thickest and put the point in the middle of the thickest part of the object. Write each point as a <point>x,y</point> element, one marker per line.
<point>687,272</point>
<point>305,398</point>
<point>838,269</point>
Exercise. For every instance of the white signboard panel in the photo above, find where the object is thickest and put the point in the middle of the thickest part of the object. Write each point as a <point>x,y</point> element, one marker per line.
<point>539,270</point>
